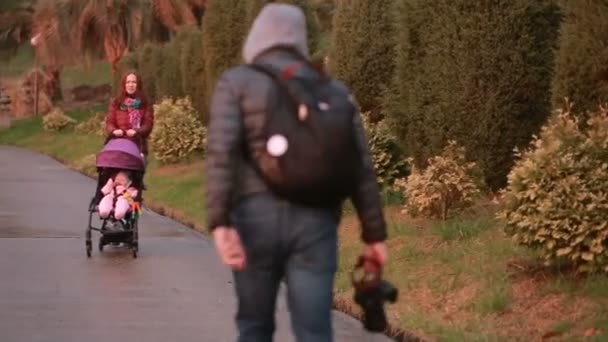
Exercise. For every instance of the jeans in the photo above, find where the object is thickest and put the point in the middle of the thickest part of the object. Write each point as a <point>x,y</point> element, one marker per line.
<point>284,241</point>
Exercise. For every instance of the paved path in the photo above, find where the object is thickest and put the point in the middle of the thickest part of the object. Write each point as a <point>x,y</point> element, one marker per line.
<point>176,290</point>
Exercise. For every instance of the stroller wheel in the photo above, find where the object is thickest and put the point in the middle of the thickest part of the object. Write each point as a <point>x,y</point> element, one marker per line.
<point>100,245</point>
<point>89,248</point>
<point>134,249</point>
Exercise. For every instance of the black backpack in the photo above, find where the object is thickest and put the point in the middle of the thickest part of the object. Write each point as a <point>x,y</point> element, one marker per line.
<point>310,155</point>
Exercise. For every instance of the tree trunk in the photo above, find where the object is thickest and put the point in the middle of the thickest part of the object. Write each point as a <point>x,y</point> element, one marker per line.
<point>5,115</point>
<point>53,85</point>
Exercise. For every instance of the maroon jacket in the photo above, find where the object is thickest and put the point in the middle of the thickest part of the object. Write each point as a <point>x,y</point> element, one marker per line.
<point>119,119</point>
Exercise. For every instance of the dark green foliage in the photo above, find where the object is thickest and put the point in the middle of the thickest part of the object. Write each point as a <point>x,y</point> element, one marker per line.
<point>312,23</point>
<point>478,72</point>
<point>401,99</point>
<point>149,60</point>
<point>387,156</point>
<point>192,66</point>
<point>169,72</point>
<point>362,51</point>
<point>581,71</point>
<point>324,10</point>
<point>253,9</point>
<point>168,81</point>
<point>223,35</point>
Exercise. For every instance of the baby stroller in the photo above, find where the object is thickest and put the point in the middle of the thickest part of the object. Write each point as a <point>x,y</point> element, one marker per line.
<point>117,155</point>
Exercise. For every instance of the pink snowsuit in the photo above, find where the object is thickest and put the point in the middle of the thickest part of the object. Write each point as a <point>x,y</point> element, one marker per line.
<point>110,190</point>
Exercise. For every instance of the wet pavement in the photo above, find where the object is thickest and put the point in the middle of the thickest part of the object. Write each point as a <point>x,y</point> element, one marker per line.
<point>176,290</point>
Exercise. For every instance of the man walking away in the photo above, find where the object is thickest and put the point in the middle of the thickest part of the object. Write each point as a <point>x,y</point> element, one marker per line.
<point>280,147</point>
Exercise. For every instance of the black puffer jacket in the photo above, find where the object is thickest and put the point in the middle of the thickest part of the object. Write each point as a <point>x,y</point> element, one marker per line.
<point>236,117</point>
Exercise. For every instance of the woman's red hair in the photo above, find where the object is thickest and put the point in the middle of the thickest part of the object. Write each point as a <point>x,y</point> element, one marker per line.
<point>139,93</point>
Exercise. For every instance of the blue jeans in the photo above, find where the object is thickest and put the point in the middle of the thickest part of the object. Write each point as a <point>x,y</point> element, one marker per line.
<point>288,242</point>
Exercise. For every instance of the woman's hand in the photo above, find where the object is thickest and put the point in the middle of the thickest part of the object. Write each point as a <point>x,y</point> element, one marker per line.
<point>131,132</point>
<point>118,132</point>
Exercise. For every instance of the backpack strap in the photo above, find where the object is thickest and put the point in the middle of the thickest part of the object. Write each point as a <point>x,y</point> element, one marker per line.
<point>277,75</point>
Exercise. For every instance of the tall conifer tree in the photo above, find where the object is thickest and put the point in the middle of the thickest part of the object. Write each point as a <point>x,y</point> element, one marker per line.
<point>478,72</point>
<point>581,72</point>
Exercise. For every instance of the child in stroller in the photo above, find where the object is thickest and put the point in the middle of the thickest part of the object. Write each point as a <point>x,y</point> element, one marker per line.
<point>118,195</point>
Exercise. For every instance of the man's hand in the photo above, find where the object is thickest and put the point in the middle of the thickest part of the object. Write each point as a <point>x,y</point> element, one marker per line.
<point>118,132</point>
<point>377,251</point>
<point>229,247</point>
<point>131,132</point>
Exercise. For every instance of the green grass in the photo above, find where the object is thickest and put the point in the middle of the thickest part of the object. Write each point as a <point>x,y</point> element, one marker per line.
<point>21,131</point>
<point>562,328</point>
<point>495,300</point>
<point>459,229</point>
<point>66,146</point>
<point>180,190</point>
<point>98,73</point>
<point>343,277</point>
<point>446,333</point>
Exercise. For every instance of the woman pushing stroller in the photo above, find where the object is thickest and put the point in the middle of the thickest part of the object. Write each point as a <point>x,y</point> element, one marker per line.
<point>121,167</point>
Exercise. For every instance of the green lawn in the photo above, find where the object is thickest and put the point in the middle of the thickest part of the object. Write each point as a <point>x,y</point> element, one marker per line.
<point>96,74</point>
<point>460,280</point>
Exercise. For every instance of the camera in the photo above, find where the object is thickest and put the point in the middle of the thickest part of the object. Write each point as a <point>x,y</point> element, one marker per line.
<point>371,292</point>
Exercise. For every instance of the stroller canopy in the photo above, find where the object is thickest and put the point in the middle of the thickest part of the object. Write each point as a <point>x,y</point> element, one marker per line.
<point>120,153</point>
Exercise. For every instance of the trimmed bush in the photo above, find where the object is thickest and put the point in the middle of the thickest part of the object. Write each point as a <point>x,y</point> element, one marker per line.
<point>476,72</point>
<point>149,62</point>
<point>252,10</point>
<point>223,35</point>
<point>56,120</point>
<point>177,132</point>
<point>192,66</point>
<point>581,72</point>
<point>401,102</point>
<point>312,24</point>
<point>449,183</point>
<point>362,49</point>
<point>324,10</point>
<point>94,125</point>
<point>557,195</point>
<point>387,156</point>
<point>168,74</point>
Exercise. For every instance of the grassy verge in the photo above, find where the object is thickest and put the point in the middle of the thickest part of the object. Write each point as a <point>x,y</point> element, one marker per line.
<point>460,280</point>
